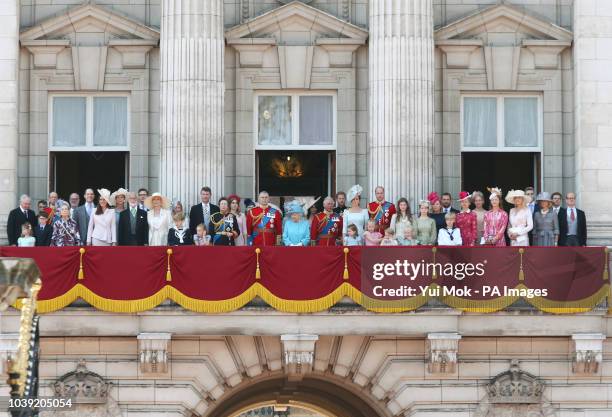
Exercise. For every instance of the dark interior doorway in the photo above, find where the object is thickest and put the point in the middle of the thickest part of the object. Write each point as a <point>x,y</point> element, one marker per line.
<point>506,170</point>
<point>296,173</point>
<point>75,171</point>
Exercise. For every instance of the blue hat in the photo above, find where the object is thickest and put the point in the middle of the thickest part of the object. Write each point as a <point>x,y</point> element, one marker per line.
<point>293,207</point>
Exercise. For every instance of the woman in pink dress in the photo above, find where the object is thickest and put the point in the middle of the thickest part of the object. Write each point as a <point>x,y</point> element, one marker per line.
<point>467,220</point>
<point>234,200</point>
<point>495,221</point>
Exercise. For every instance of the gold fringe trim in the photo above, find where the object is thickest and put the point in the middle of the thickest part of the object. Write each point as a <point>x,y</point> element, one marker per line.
<point>606,273</point>
<point>310,306</point>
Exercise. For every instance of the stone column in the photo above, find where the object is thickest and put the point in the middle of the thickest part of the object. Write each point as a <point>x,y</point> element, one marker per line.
<point>401,105</point>
<point>592,111</point>
<point>192,92</point>
<point>9,61</point>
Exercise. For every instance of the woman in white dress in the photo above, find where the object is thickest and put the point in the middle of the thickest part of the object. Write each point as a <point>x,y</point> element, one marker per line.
<point>234,200</point>
<point>520,219</point>
<point>102,229</point>
<point>354,214</point>
<point>159,218</point>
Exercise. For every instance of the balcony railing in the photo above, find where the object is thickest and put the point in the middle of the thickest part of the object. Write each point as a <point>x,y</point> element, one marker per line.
<point>305,280</point>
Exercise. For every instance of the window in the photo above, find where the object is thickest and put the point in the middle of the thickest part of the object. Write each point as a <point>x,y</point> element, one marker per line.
<point>501,123</point>
<point>86,122</point>
<point>300,121</point>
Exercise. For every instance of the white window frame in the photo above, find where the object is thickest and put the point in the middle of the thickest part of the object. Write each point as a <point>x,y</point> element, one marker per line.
<point>295,119</point>
<point>89,125</point>
<point>501,143</point>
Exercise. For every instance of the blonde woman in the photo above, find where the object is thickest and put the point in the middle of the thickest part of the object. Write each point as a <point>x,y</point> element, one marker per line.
<point>521,219</point>
<point>159,218</point>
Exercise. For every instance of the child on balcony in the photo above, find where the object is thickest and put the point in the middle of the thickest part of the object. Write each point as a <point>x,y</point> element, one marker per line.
<point>371,237</point>
<point>178,235</point>
<point>201,238</point>
<point>352,237</point>
<point>450,235</point>
<point>26,239</point>
<point>389,239</point>
<point>408,238</point>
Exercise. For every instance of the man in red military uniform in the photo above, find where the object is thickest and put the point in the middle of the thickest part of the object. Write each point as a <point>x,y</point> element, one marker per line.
<point>326,227</point>
<point>381,211</point>
<point>264,223</point>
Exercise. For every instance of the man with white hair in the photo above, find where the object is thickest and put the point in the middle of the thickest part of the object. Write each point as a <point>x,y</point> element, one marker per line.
<point>264,223</point>
<point>326,227</point>
<point>17,217</point>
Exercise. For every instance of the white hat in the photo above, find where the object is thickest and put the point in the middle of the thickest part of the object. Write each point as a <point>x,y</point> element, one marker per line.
<point>165,203</point>
<point>353,192</point>
<point>120,191</point>
<point>105,194</point>
<point>517,193</point>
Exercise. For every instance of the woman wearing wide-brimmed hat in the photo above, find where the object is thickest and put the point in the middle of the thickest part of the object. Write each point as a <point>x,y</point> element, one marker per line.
<point>102,230</point>
<point>296,230</point>
<point>545,222</point>
<point>467,222</point>
<point>521,219</point>
<point>159,219</point>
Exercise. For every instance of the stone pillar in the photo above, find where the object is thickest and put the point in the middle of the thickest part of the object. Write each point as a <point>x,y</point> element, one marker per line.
<point>401,105</point>
<point>191,104</point>
<point>592,110</point>
<point>9,62</point>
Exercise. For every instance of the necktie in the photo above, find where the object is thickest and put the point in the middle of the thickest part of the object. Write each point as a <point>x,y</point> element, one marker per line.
<point>206,211</point>
<point>89,210</point>
<point>25,213</point>
<point>133,210</point>
<point>572,215</point>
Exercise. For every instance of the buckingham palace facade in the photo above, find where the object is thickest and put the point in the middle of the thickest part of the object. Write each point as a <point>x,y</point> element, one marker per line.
<point>307,98</point>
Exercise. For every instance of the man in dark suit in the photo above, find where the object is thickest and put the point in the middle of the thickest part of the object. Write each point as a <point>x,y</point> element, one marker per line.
<point>447,201</point>
<point>133,224</point>
<point>44,230</point>
<point>82,214</point>
<point>200,213</point>
<point>572,224</point>
<point>19,216</point>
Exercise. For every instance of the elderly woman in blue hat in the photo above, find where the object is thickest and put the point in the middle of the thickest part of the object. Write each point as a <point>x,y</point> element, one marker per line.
<point>296,230</point>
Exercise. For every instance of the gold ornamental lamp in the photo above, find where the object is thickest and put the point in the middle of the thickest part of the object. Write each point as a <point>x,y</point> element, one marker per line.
<point>20,282</point>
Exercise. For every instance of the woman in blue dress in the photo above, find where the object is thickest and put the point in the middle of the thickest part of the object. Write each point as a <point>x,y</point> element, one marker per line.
<point>296,231</point>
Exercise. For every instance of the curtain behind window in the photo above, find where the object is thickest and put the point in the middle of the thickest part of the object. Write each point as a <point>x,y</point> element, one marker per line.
<point>110,121</point>
<point>480,122</point>
<point>274,120</point>
<point>316,120</point>
<point>69,121</point>
<point>521,121</point>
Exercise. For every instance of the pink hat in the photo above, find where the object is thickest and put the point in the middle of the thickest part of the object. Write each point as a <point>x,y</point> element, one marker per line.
<point>463,195</point>
<point>433,197</point>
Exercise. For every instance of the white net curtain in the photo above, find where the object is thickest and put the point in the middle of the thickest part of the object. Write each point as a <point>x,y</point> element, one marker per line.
<point>69,121</point>
<point>316,120</point>
<point>110,121</point>
<point>481,120</point>
<point>274,120</point>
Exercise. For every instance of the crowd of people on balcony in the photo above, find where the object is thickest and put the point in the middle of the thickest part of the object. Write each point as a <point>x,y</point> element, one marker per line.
<point>127,218</point>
